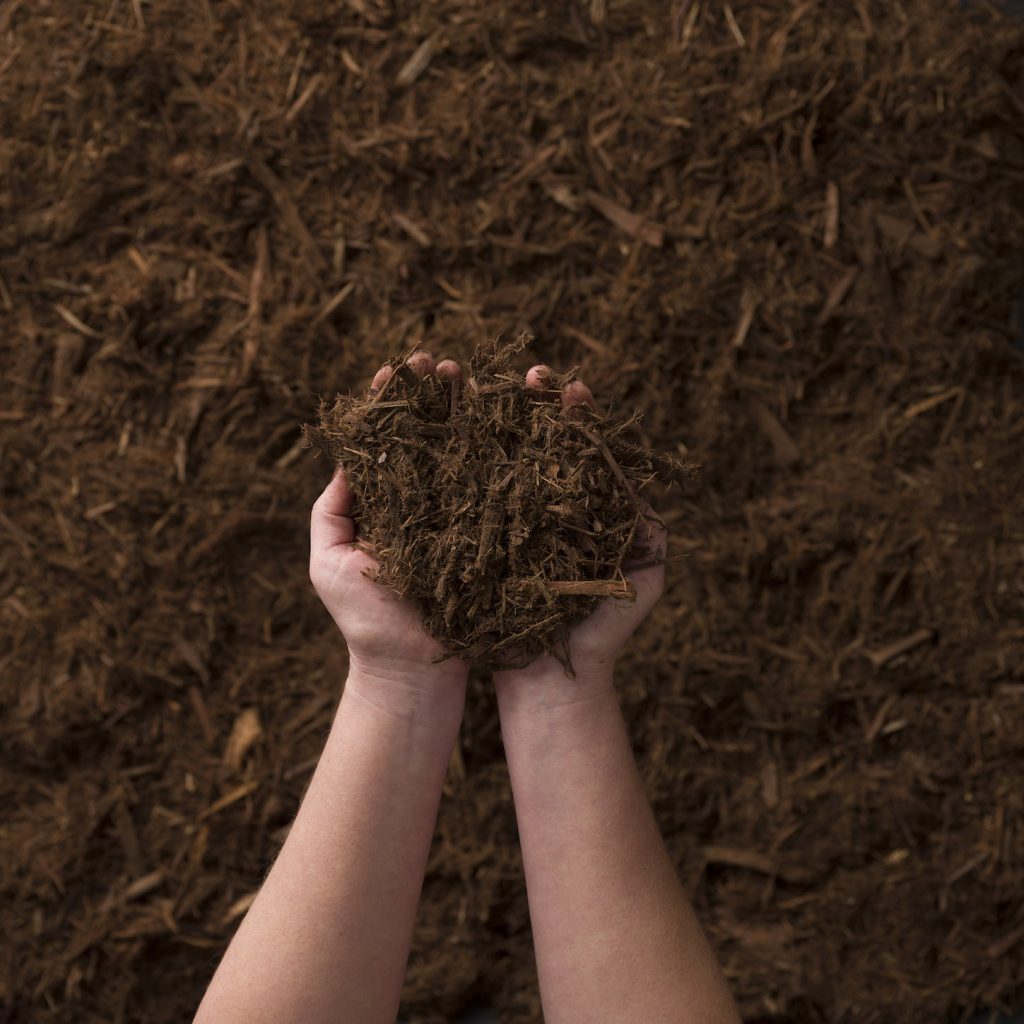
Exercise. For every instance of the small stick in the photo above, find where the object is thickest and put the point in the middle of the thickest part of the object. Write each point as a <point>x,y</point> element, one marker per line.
<point>897,647</point>
<point>454,398</point>
<point>751,860</point>
<point>78,325</point>
<point>627,547</point>
<point>592,588</point>
<point>610,459</point>
<point>997,950</point>
<point>929,403</point>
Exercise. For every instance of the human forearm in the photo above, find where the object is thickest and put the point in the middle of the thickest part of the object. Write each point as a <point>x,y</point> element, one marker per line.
<point>328,936</point>
<point>616,939</point>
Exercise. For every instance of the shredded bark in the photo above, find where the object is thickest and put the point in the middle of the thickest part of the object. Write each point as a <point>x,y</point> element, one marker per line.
<point>501,515</point>
<point>212,212</point>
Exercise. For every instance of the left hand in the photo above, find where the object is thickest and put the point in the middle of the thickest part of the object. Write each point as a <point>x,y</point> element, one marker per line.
<point>595,642</point>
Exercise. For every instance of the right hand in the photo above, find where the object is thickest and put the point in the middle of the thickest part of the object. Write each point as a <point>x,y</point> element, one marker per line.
<point>387,643</point>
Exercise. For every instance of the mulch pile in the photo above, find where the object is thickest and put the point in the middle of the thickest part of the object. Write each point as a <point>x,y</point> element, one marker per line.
<point>501,516</point>
<point>789,232</point>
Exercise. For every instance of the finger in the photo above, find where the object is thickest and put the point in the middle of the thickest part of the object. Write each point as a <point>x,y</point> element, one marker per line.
<point>576,397</point>
<point>653,533</point>
<point>421,363</point>
<point>650,541</point>
<point>330,523</point>
<point>381,377</point>
<point>538,378</point>
<point>448,370</point>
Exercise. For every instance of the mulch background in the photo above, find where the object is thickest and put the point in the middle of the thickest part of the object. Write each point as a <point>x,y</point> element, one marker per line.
<point>790,231</point>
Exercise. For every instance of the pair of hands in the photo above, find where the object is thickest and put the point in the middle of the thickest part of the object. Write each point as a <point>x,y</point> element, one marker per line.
<point>386,641</point>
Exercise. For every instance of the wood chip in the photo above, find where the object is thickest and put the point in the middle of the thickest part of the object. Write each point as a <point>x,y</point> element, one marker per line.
<point>307,94</point>
<point>746,320</point>
<point>232,797</point>
<point>593,588</point>
<point>835,297</point>
<point>930,403</point>
<point>412,229</point>
<point>831,215</point>
<point>784,447</point>
<point>633,225</point>
<point>144,885</point>
<point>78,325</point>
<point>195,696</point>
<point>239,907</point>
<point>882,655</point>
<point>315,259</point>
<point>244,733</point>
<point>420,60</point>
<point>751,860</point>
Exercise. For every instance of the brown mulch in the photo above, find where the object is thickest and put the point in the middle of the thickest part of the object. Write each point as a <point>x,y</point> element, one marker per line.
<point>790,232</point>
<point>503,517</point>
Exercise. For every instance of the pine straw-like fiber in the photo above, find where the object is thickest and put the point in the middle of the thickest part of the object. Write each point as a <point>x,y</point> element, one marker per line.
<point>503,517</point>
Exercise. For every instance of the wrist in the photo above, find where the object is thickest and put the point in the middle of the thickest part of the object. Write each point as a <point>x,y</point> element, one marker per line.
<point>545,687</point>
<point>540,728</point>
<point>432,695</point>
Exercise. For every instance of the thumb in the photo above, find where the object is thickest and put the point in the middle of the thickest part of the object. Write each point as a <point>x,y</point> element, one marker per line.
<point>331,522</point>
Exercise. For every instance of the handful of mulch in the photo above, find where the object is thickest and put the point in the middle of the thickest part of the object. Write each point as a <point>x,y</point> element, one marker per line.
<point>502,517</point>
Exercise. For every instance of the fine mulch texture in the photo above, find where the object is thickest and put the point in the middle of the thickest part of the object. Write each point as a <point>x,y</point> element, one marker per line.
<point>501,516</point>
<point>788,232</point>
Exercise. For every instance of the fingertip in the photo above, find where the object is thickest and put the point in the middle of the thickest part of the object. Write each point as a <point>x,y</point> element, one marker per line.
<point>448,370</point>
<point>330,520</point>
<point>651,537</point>
<point>338,494</point>
<point>381,377</point>
<point>576,396</point>
<point>421,363</point>
<point>537,377</point>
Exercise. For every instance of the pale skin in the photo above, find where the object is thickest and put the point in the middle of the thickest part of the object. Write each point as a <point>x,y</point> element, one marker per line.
<point>327,938</point>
